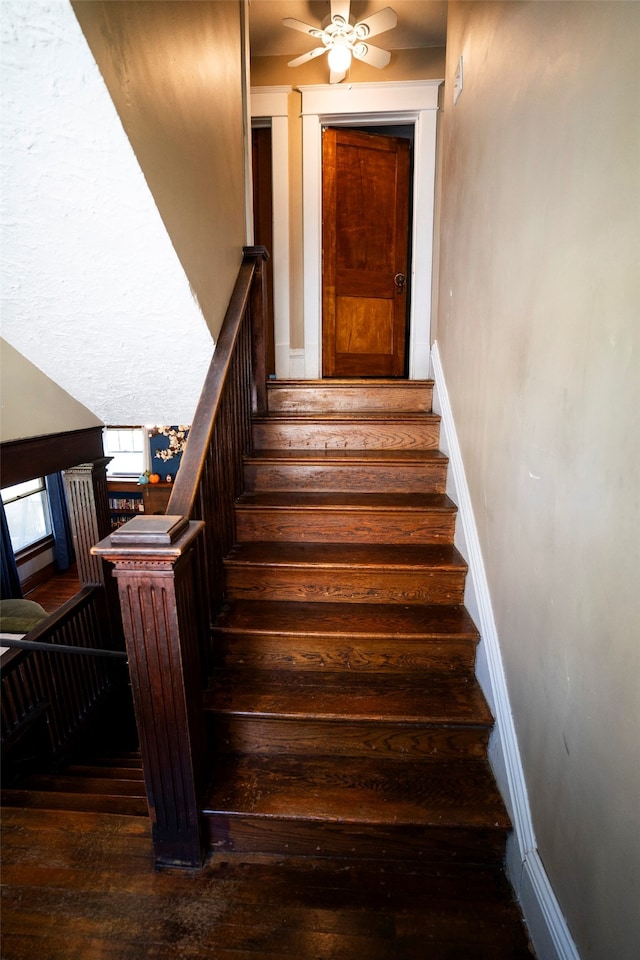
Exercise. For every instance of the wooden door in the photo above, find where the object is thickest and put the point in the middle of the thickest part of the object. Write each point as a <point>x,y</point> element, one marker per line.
<point>263,224</point>
<point>365,231</point>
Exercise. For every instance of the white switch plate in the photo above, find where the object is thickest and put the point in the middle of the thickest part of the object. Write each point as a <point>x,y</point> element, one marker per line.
<point>457,83</point>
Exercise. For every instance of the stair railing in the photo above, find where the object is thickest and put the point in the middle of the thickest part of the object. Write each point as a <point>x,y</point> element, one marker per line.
<point>169,571</point>
<point>39,684</point>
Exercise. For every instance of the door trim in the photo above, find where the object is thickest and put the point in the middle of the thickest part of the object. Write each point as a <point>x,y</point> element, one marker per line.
<point>269,106</point>
<point>370,103</point>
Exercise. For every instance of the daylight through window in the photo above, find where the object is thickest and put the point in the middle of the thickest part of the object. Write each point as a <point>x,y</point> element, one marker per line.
<point>26,506</point>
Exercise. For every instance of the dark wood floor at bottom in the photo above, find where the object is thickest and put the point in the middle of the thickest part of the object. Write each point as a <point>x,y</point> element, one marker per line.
<point>83,887</point>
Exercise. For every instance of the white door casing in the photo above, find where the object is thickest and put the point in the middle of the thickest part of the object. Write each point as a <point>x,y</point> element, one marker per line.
<point>406,102</point>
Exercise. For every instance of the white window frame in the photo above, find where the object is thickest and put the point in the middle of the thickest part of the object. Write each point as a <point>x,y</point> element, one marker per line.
<point>39,491</point>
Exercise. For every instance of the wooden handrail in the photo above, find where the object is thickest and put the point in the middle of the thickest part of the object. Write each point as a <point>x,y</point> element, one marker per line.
<point>170,575</point>
<point>189,477</point>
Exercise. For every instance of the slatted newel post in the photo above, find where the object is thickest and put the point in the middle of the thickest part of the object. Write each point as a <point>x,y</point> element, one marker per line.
<point>88,500</point>
<point>153,565</point>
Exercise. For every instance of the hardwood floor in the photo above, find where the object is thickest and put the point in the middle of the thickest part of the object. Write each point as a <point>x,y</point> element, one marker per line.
<point>82,886</point>
<point>56,591</point>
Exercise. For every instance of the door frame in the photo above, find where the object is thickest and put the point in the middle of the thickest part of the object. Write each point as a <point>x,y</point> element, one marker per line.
<point>413,102</point>
<point>269,107</point>
<point>405,102</point>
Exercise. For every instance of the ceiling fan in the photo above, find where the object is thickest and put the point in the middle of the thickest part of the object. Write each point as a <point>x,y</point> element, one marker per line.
<point>341,39</point>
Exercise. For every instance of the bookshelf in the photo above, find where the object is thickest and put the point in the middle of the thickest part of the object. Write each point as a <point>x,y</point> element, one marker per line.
<point>125,501</point>
<point>128,499</point>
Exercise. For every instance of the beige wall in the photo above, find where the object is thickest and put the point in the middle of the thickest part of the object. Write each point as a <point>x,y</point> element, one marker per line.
<point>174,72</point>
<point>32,405</point>
<point>539,334</point>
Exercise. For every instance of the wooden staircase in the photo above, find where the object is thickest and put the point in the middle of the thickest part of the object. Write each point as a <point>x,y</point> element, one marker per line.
<point>345,711</point>
<point>93,783</point>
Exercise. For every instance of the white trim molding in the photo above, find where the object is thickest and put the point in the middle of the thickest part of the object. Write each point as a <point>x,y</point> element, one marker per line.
<point>413,102</point>
<point>547,926</point>
<point>270,105</point>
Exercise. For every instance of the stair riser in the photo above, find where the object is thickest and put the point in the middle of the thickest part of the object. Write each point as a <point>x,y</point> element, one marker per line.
<point>269,737</point>
<point>350,585</point>
<point>381,397</point>
<point>349,435</point>
<point>409,843</point>
<point>346,526</point>
<point>391,655</point>
<point>274,477</point>
<point>76,802</point>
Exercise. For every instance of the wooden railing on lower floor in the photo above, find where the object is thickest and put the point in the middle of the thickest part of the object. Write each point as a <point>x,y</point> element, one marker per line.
<point>169,571</point>
<point>55,688</point>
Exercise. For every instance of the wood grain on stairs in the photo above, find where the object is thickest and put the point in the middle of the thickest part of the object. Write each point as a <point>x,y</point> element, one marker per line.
<point>113,785</point>
<point>364,471</point>
<point>345,572</point>
<point>382,638</point>
<point>330,517</point>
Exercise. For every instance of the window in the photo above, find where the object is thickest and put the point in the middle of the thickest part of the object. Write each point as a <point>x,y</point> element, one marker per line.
<point>127,447</point>
<point>27,510</point>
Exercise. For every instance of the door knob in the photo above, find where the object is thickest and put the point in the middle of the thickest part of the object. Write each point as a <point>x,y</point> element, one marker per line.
<point>400,281</point>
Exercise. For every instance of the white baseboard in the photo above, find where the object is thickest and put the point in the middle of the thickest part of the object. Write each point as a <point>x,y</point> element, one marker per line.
<point>546,924</point>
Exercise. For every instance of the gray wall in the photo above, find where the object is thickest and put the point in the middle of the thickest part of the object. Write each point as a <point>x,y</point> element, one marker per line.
<point>538,331</point>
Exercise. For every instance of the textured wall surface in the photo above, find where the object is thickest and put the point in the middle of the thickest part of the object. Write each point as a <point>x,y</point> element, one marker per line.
<point>93,292</point>
<point>539,337</point>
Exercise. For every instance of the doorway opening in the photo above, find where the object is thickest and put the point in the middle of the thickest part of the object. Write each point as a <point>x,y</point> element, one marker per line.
<point>367,214</point>
<point>261,159</point>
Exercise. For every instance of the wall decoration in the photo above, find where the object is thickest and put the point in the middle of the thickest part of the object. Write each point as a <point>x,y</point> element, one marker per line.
<point>166,446</point>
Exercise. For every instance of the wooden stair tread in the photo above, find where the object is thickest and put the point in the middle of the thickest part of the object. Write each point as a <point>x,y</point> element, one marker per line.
<point>438,698</point>
<point>349,395</point>
<point>331,500</point>
<point>346,416</point>
<point>341,555</point>
<point>342,620</point>
<point>68,783</point>
<point>359,791</point>
<point>104,771</point>
<point>357,383</point>
<point>130,806</point>
<point>341,456</point>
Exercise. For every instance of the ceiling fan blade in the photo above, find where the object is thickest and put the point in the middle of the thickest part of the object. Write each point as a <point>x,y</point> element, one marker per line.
<point>307,28</point>
<point>311,55</point>
<point>374,56</point>
<point>340,8</point>
<point>335,77</point>
<point>377,23</point>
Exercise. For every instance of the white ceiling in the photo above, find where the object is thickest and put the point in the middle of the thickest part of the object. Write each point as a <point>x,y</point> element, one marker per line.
<point>421,23</point>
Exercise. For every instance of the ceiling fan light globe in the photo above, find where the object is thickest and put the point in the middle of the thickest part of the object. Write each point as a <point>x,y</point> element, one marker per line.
<point>339,58</point>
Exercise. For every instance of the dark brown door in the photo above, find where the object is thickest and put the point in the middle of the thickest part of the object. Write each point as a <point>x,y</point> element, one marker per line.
<point>365,229</point>
<point>263,223</point>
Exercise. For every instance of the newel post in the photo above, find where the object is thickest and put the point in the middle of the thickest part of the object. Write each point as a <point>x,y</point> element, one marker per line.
<point>153,565</point>
<point>88,499</point>
<point>258,327</point>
